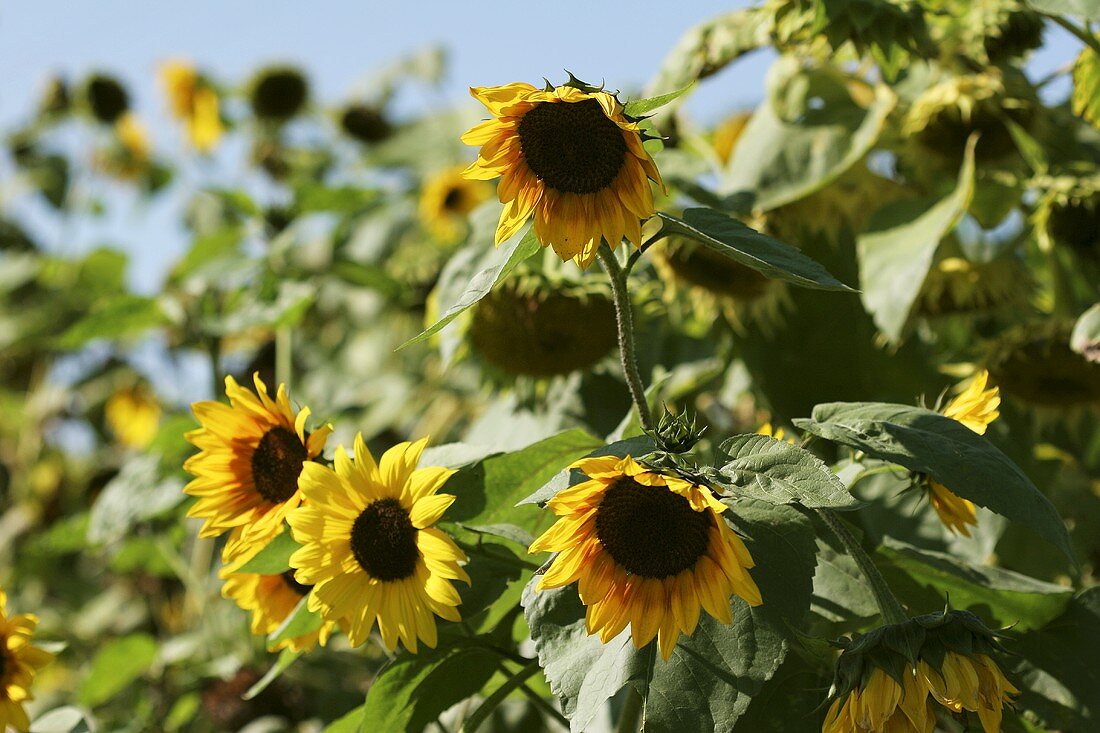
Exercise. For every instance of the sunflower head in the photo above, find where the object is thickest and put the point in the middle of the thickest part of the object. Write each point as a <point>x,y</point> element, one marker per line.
<point>1037,365</point>
<point>370,549</point>
<point>702,267</point>
<point>945,116</point>
<point>133,415</point>
<point>251,455</point>
<point>278,93</point>
<point>19,664</point>
<point>604,538</point>
<point>106,98</point>
<point>524,327</point>
<point>1069,215</point>
<point>676,434</point>
<point>892,678</point>
<point>570,157</point>
<point>270,598</point>
<point>958,286</point>
<point>365,123</point>
<point>446,199</point>
<point>194,101</point>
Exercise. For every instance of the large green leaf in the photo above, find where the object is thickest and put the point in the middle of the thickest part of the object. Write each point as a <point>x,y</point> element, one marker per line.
<point>475,270</point>
<point>782,157</point>
<point>1008,598</point>
<point>117,665</point>
<point>414,689</point>
<point>711,677</point>
<point>1059,675</point>
<point>896,250</point>
<point>749,247</point>
<point>489,490</point>
<point>949,452</point>
<point>116,317</point>
<point>761,467</point>
<point>1087,9</point>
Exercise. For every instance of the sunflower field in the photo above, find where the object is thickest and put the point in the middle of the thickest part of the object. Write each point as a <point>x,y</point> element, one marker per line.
<point>562,407</point>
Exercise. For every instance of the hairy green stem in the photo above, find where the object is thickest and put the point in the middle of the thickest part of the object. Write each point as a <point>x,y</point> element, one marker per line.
<point>892,612</point>
<point>624,320</point>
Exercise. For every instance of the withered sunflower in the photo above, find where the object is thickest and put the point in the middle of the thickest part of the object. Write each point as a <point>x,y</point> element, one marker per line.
<point>606,541</point>
<point>369,547</point>
<point>19,663</point>
<point>251,454</point>
<point>571,158</point>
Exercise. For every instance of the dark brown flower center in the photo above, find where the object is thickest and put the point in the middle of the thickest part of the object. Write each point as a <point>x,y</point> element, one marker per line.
<point>3,660</point>
<point>276,464</point>
<point>649,530</point>
<point>294,585</point>
<point>453,200</point>
<point>383,541</point>
<point>572,146</point>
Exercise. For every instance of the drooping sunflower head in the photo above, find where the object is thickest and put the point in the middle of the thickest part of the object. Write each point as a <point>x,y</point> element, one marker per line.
<point>132,415</point>
<point>604,538</point>
<point>958,286</point>
<point>194,101</point>
<point>945,116</point>
<point>364,123</point>
<point>270,598</point>
<point>1068,215</point>
<point>19,663</point>
<point>251,455</point>
<point>445,201</point>
<point>524,327</point>
<point>106,98</point>
<point>989,33</point>
<point>570,157</point>
<point>1037,365</point>
<point>278,93</point>
<point>890,678</point>
<point>370,549</point>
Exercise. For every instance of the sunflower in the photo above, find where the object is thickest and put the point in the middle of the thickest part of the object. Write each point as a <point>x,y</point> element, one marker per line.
<point>605,540</point>
<point>278,93</point>
<point>106,98</point>
<point>445,201</point>
<point>957,286</point>
<point>570,157</point>
<point>194,102</point>
<point>270,598</point>
<point>19,663</point>
<point>369,547</point>
<point>252,452</point>
<point>132,415</point>
<point>975,407</point>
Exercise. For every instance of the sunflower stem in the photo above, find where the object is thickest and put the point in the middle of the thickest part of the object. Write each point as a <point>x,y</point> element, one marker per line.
<point>493,701</point>
<point>892,612</point>
<point>1082,34</point>
<point>624,320</point>
<point>631,714</point>
<point>637,254</point>
<point>283,344</point>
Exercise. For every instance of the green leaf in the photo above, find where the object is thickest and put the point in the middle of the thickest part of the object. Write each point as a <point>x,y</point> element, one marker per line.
<point>1087,9</point>
<point>898,245</point>
<point>711,677</point>
<point>274,558</point>
<point>636,446</point>
<point>137,493</point>
<point>300,622</point>
<point>1085,338</point>
<point>770,257</point>
<point>782,158</point>
<point>68,719</point>
<point>949,452</point>
<point>414,689</point>
<point>489,490</point>
<point>639,107</point>
<point>349,722</point>
<point>761,467</point>
<point>286,658</point>
<point>474,271</point>
<point>115,317</point>
<point>1059,677</point>
<point>1008,598</point>
<point>117,665</point>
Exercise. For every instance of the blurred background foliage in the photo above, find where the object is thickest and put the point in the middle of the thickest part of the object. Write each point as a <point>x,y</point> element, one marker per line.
<point>909,147</point>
